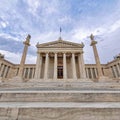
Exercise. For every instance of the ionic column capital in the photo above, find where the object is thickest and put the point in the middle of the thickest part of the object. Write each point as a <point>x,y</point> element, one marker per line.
<point>55,52</point>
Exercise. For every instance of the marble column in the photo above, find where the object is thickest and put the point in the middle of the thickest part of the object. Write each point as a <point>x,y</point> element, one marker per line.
<point>118,69</point>
<point>91,73</point>
<point>46,66</point>
<point>87,74</point>
<point>98,65</point>
<point>24,72</point>
<point>81,66</point>
<point>28,74</point>
<point>22,63</point>
<point>55,66</point>
<point>96,73</point>
<point>74,66</point>
<point>5,72</point>
<point>1,71</point>
<point>0,64</point>
<point>1,60</point>
<point>33,72</point>
<point>38,66</point>
<point>115,72</point>
<point>64,66</point>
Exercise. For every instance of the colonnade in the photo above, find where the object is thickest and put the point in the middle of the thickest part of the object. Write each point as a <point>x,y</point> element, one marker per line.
<point>29,72</point>
<point>4,69</point>
<point>91,72</point>
<point>116,70</point>
<point>64,55</point>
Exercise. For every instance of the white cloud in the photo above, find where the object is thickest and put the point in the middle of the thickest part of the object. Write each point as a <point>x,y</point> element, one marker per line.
<point>33,6</point>
<point>16,57</point>
<point>8,36</point>
<point>13,57</point>
<point>31,59</point>
<point>3,24</point>
<point>114,26</point>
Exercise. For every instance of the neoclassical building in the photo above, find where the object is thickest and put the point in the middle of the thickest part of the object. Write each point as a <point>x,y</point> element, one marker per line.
<point>59,60</point>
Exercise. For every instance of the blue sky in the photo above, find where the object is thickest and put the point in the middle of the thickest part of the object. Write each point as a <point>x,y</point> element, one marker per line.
<point>43,18</point>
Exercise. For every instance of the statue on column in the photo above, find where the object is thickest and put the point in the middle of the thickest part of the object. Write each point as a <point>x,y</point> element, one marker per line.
<point>91,37</point>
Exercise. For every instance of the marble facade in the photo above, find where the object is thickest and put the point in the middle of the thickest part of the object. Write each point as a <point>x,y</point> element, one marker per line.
<point>61,60</point>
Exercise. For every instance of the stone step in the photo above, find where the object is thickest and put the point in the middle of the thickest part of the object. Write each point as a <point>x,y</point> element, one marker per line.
<point>59,96</point>
<point>59,105</point>
<point>61,86</point>
<point>60,111</point>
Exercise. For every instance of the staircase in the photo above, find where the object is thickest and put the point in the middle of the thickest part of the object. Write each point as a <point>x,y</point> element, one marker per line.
<point>60,101</point>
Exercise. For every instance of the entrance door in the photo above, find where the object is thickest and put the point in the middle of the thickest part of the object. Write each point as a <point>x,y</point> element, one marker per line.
<point>60,72</point>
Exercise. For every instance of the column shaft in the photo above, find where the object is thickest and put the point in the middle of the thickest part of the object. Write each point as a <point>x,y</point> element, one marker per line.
<point>91,73</point>
<point>74,66</point>
<point>46,66</point>
<point>115,70</point>
<point>118,70</point>
<point>23,61</point>
<point>55,66</point>
<point>64,66</point>
<point>37,66</point>
<point>5,72</point>
<point>24,72</point>
<point>28,73</point>
<point>81,66</point>
<point>2,67</point>
<point>87,74</point>
<point>32,72</point>
<point>96,73</point>
<point>97,61</point>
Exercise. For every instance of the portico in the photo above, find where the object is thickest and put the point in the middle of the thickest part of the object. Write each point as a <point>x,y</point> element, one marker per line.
<point>60,60</point>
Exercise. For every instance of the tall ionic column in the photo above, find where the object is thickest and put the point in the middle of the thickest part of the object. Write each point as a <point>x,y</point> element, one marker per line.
<point>46,66</point>
<point>81,66</point>
<point>38,66</point>
<point>55,66</point>
<point>22,63</point>
<point>98,65</point>
<point>74,66</point>
<point>64,66</point>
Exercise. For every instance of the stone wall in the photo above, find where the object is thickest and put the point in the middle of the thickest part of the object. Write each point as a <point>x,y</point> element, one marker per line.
<point>59,114</point>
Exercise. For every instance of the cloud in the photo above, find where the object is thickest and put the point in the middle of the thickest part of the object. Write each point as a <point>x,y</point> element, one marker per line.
<point>78,19</point>
<point>13,57</point>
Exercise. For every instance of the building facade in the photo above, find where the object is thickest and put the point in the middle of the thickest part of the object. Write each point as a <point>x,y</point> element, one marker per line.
<point>59,60</point>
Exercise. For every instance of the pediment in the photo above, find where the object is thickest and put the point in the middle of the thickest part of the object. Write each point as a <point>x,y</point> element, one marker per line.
<point>60,44</point>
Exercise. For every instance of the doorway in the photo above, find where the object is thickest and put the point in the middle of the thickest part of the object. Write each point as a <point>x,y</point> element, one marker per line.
<point>60,72</point>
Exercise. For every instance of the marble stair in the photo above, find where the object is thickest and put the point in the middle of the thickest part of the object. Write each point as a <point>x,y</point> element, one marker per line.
<point>60,101</point>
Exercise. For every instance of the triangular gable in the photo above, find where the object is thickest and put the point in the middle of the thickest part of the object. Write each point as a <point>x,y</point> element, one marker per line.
<point>60,43</point>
